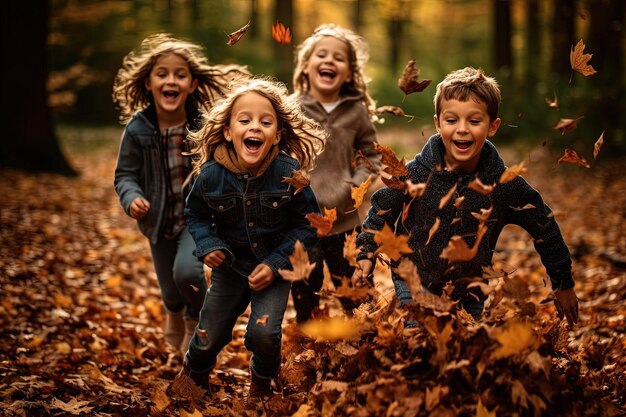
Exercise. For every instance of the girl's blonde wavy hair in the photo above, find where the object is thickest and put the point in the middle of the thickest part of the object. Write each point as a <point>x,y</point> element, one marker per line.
<point>359,55</point>
<point>129,88</point>
<point>301,137</point>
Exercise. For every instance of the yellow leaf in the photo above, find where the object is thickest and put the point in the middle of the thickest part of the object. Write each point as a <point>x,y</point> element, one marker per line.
<point>514,338</point>
<point>333,328</point>
<point>323,224</point>
<point>300,179</point>
<point>194,413</point>
<point>300,263</point>
<point>358,193</point>
<point>390,244</point>
<point>482,411</point>
<point>579,60</point>
<point>512,172</point>
<point>350,251</point>
<point>447,197</point>
<point>457,249</point>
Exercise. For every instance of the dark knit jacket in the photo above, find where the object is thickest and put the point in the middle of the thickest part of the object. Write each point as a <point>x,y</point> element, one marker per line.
<point>507,199</point>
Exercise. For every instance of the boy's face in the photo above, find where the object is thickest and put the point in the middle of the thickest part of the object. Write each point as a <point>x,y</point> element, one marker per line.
<point>252,130</point>
<point>464,127</point>
<point>170,82</point>
<point>328,69</point>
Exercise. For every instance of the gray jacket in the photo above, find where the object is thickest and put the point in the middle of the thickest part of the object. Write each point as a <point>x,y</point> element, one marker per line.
<point>350,130</point>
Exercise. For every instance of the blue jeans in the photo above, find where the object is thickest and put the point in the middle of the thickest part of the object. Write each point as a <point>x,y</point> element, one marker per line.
<point>180,274</point>
<point>227,298</point>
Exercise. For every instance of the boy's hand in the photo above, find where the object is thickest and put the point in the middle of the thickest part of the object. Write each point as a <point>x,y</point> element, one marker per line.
<point>566,304</point>
<point>139,208</point>
<point>214,259</point>
<point>361,272</point>
<point>261,277</point>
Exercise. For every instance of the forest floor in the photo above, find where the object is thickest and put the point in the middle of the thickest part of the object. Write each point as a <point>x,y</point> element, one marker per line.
<point>80,315</point>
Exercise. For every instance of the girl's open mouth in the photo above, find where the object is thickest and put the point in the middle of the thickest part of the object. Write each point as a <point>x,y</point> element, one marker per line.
<point>252,144</point>
<point>327,74</point>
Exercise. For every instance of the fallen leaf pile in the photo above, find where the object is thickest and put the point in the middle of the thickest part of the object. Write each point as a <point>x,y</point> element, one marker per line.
<point>81,316</point>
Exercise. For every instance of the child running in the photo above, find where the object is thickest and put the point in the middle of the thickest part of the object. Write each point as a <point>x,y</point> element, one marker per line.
<point>159,91</point>
<point>466,115</point>
<point>329,80</point>
<point>246,220</point>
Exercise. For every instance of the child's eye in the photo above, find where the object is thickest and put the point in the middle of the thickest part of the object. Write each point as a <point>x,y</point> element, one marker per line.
<point>450,120</point>
<point>475,122</point>
<point>266,123</point>
<point>244,121</point>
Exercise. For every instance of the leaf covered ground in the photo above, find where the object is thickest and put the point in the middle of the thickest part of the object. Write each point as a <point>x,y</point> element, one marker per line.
<point>80,318</point>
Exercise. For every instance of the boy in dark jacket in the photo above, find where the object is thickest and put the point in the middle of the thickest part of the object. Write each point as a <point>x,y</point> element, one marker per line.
<point>464,198</point>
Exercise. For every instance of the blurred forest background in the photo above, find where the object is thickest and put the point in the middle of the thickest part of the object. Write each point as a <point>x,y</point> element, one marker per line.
<point>62,58</point>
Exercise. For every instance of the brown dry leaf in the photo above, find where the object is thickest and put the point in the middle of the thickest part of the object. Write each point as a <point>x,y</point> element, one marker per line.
<point>407,270</point>
<point>300,179</point>
<point>478,186</point>
<point>323,224</point>
<point>566,125</point>
<point>553,103</point>
<point>302,268</point>
<point>512,172</point>
<point>482,411</point>
<point>234,37</point>
<point>458,202</point>
<point>281,34</point>
<point>514,337</point>
<point>331,329</point>
<point>444,200</point>
<point>345,290</point>
<point>579,60</point>
<point>390,244</point>
<point>395,110</point>
<point>408,82</point>
<point>483,215</point>
<point>572,156</point>
<point>194,413</point>
<point>525,207</point>
<point>519,395</point>
<point>598,145</point>
<point>358,193</point>
<point>74,406</point>
<point>359,156</point>
<point>262,321</point>
<point>415,190</point>
<point>160,399</point>
<point>394,166</point>
<point>350,251</point>
<point>457,249</point>
<point>393,182</point>
<point>433,229</point>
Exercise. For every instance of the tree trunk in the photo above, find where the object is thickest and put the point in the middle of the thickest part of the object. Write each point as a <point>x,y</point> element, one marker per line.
<point>562,37</point>
<point>503,58</point>
<point>357,15</point>
<point>29,141</point>
<point>283,54</point>
<point>395,29</point>
<point>533,44</point>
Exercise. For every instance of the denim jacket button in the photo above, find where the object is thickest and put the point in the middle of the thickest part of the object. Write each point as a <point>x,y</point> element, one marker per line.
<point>274,204</point>
<point>250,224</point>
<point>221,207</point>
<point>248,202</point>
<point>254,245</point>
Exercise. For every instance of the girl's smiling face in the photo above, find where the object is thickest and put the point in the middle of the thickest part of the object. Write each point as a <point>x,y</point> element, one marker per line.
<point>464,127</point>
<point>328,69</point>
<point>253,130</point>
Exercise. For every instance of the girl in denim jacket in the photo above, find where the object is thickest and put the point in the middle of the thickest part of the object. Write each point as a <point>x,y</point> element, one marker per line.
<point>159,90</point>
<point>245,219</point>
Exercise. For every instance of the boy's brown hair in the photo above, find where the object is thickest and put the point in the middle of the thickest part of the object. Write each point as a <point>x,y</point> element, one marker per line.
<point>469,83</point>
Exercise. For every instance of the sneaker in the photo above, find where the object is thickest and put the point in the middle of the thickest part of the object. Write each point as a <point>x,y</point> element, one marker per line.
<point>260,387</point>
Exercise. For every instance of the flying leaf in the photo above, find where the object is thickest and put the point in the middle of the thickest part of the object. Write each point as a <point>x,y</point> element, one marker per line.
<point>514,338</point>
<point>512,172</point>
<point>394,166</point>
<point>390,244</point>
<point>483,215</point>
<point>302,268</point>
<point>323,224</point>
<point>444,200</point>
<point>358,193</point>
<point>579,60</point>
<point>350,250</point>
<point>345,290</point>
<point>330,329</point>
<point>395,110</point>
<point>482,411</point>
<point>300,179</point>
<point>408,82</point>
<point>433,229</point>
<point>262,321</point>
<point>457,249</point>
<point>393,182</point>
<point>572,156</point>
<point>281,34</point>
<point>566,125</point>
<point>408,272</point>
<point>478,186</point>
<point>553,103</point>
<point>415,190</point>
<point>361,157</point>
<point>598,145</point>
<point>525,207</point>
<point>234,37</point>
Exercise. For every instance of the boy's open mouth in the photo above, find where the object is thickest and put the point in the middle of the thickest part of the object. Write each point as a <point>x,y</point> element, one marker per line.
<point>252,144</point>
<point>170,94</point>
<point>462,144</point>
<point>327,74</point>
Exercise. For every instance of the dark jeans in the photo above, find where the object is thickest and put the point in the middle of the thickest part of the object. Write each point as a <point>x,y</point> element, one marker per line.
<point>330,250</point>
<point>180,274</point>
<point>227,298</point>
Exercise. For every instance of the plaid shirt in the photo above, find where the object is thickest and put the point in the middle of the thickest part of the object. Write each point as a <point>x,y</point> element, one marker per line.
<point>177,167</point>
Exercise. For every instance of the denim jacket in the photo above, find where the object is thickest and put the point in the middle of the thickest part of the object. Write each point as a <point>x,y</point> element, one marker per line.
<point>251,219</point>
<point>514,202</point>
<point>140,171</point>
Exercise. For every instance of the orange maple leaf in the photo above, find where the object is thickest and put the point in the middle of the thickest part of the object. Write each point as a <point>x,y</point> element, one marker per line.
<point>395,166</point>
<point>234,37</point>
<point>358,193</point>
<point>395,110</point>
<point>579,60</point>
<point>478,186</point>
<point>512,172</point>
<point>444,200</point>
<point>415,190</point>
<point>433,229</point>
<point>408,82</point>
<point>457,249</point>
<point>598,145</point>
<point>390,244</point>
<point>281,34</point>
<point>302,268</point>
<point>393,182</point>
<point>572,156</point>
<point>350,250</point>
<point>300,179</point>
<point>323,224</point>
<point>359,156</point>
